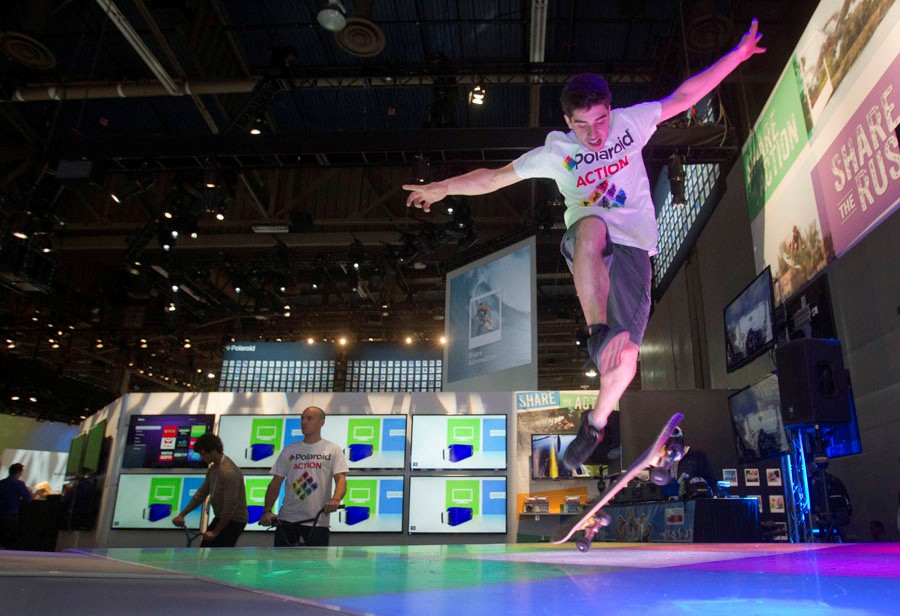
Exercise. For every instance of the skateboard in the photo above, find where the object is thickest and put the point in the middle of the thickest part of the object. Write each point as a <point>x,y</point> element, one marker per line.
<point>659,458</point>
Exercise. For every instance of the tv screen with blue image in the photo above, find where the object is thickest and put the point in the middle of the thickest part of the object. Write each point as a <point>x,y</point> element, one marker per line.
<point>451,442</point>
<point>150,502</point>
<point>457,504</point>
<point>372,504</point>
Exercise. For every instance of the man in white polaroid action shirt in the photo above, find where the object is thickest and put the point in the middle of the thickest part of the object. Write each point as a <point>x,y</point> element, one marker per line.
<point>610,219</point>
<point>310,466</point>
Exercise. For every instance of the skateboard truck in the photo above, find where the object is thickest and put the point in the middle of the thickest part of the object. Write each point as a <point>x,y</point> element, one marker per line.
<point>661,475</point>
<point>597,521</point>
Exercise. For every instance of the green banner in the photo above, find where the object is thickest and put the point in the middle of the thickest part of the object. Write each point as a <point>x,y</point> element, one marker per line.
<point>775,143</point>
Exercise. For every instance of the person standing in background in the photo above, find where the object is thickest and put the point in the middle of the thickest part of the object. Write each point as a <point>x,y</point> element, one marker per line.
<point>13,492</point>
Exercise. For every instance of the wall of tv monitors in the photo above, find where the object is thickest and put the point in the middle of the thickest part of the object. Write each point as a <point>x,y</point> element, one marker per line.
<point>380,487</point>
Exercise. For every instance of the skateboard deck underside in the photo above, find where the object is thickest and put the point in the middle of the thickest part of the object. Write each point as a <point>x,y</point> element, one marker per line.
<point>647,459</point>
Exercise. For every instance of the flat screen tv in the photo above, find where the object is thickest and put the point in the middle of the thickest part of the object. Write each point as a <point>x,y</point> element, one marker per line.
<point>372,504</point>
<point>76,454</point>
<point>756,422</point>
<point>452,442</point>
<point>457,504</point>
<point>749,319</point>
<point>93,450</point>
<point>370,442</point>
<point>165,441</point>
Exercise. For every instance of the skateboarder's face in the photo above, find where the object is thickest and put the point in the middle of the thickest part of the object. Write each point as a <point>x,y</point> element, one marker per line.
<point>591,126</point>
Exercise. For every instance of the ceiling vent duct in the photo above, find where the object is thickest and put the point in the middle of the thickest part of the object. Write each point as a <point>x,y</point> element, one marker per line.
<point>361,36</point>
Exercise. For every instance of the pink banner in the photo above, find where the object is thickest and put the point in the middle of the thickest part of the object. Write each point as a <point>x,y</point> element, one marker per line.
<point>857,181</point>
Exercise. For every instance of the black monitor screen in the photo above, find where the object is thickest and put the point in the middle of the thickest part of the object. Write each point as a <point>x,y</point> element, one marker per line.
<point>76,454</point>
<point>756,419</point>
<point>165,441</point>
<point>94,448</point>
<point>748,323</point>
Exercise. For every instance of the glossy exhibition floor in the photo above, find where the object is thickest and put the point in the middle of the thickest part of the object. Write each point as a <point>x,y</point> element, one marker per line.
<point>729,579</point>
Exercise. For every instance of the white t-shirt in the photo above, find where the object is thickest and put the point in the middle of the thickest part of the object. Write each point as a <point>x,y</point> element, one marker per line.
<point>611,183</point>
<point>308,472</point>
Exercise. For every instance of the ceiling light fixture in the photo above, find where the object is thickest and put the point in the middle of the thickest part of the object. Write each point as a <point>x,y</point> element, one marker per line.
<point>333,17</point>
<point>477,95</point>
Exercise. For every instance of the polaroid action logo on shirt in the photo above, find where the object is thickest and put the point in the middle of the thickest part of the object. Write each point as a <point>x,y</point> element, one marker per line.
<point>308,460</point>
<point>589,158</point>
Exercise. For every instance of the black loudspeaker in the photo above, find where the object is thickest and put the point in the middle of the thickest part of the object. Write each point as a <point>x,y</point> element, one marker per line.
<point>812,382</point>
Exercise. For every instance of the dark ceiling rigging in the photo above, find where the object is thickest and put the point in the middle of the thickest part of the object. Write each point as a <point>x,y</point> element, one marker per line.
<point>154,101</point>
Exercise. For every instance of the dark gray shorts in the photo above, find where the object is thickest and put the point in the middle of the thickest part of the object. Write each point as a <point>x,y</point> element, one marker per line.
<point>630,275</point>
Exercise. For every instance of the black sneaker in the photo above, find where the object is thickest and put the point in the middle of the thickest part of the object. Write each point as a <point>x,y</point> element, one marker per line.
<point>584,444</point>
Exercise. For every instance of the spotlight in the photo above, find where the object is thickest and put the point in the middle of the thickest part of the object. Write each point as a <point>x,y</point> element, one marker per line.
<point>590,373</point>
<point>333,17</point>
<point>211,177</point>
<point>357,253</point>
<point>133,188</point>
<point>675,171</point>
<point>477,94</point>
<point>259,126</point>
<point>420,169</point>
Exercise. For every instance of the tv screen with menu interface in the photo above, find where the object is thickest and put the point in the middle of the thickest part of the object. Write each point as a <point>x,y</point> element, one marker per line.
<point>165,441</point>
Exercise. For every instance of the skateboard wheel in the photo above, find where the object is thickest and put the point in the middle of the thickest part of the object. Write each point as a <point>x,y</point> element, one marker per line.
<point>674,453</point>
<point>583,545</point>
<point>659,476</point>
<point>603,519</point>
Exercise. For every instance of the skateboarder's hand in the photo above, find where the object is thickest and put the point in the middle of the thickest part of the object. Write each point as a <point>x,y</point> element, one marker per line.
<point>423,196</point>
<point>749,42</point>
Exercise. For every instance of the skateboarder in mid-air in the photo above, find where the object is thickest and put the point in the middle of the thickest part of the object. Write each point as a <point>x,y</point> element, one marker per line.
<point>611,223</point>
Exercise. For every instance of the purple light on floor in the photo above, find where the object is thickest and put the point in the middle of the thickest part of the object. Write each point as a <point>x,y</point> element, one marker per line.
<point>877,560</point>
